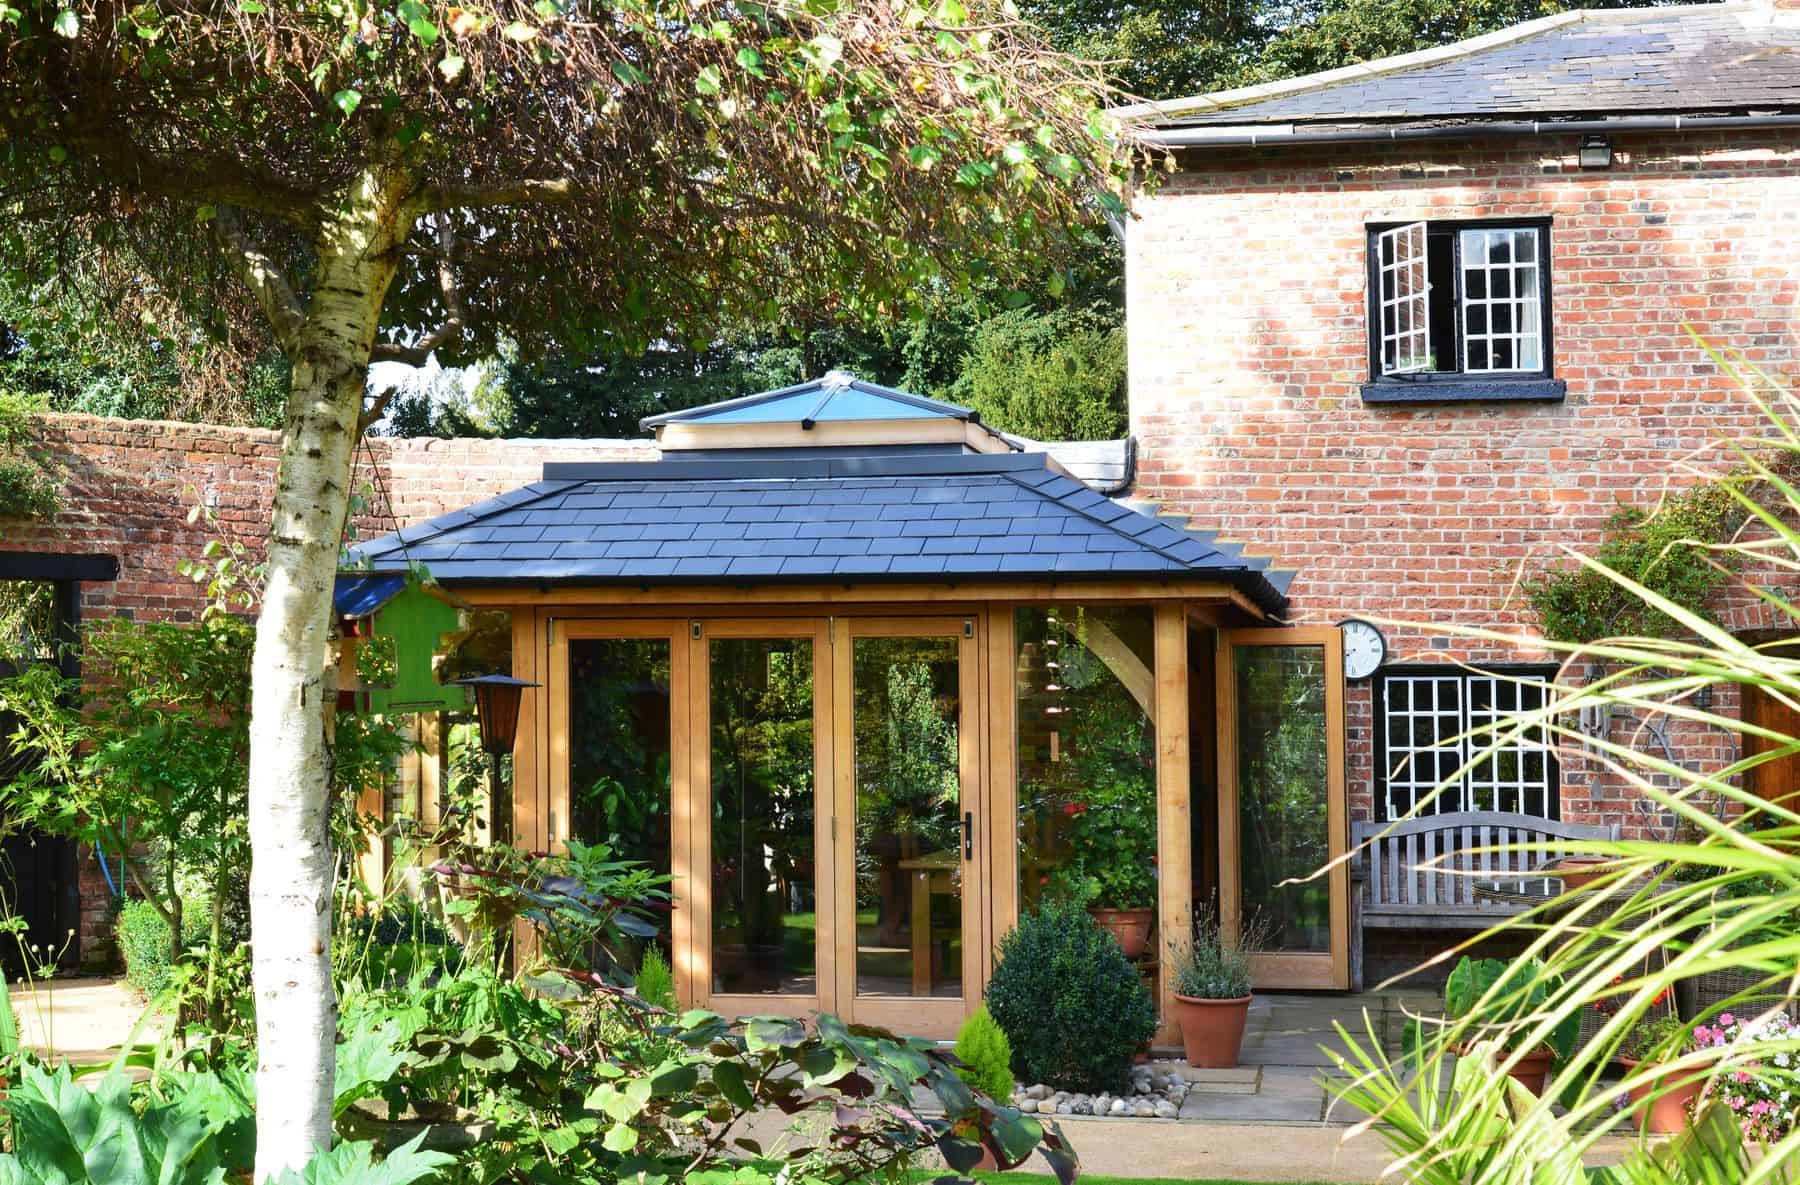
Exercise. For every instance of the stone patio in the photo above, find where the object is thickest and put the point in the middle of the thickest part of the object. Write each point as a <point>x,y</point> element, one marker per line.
<point>1283,1066</point>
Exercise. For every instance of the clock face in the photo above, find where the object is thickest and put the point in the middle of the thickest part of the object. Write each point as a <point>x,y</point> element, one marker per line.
<point>1364,648</point>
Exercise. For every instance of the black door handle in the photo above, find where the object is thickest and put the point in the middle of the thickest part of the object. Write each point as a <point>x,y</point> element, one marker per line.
<point>968,835</point>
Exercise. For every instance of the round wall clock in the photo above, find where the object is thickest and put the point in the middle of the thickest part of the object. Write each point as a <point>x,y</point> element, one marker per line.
<point>1364,648</point>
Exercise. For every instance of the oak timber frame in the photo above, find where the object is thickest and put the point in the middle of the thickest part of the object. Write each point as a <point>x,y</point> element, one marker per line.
<point>545,620</point>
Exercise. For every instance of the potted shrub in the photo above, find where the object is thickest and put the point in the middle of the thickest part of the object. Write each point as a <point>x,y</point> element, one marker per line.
<point>1212,983</point>
<point>1070,1003</point>
<point>986,1057</point>
<point>1653,1040</point>
<point>1112,838</point>
<point>1508,994</point>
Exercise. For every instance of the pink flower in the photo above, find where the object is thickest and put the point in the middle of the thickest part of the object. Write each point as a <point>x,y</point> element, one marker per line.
<point>1727,1019</point>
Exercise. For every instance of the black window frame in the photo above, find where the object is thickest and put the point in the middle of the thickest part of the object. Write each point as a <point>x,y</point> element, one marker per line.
<point>1544,672</point>
<point>1455,386</point>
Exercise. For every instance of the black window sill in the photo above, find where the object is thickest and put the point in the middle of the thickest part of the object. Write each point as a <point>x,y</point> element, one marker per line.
<point>1465,390</point>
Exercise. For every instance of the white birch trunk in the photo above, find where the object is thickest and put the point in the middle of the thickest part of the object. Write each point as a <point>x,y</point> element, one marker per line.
<point>291,693</point>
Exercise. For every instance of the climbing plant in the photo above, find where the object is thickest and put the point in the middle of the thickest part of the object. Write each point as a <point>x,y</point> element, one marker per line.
<point>27,483</point>
<point>1665,548</point>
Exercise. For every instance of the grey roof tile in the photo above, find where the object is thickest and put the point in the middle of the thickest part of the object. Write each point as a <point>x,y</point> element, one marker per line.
<point>918,522</point>
<point>1712,58</point>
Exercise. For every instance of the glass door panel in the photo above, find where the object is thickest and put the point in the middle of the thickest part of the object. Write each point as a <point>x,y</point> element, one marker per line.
<point>620,750</point>
<point>761,738</point>
<point>1282,803</point>
<point>909,819</point>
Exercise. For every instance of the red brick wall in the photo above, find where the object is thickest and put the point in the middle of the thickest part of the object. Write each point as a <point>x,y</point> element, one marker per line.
<point>128,486</point>
<point>1247,285</point>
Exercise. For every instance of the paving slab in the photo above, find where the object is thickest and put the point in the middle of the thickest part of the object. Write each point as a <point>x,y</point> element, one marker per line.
<point>81,1020</point>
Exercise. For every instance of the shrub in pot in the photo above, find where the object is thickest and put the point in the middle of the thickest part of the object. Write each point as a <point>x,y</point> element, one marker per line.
<point>1496,999</point>
<point>1664,1101</point>
<point>1070,1003</point>
<point>1212,981</point>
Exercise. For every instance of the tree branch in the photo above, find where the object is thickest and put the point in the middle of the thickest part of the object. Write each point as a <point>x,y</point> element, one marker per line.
<point>201,178</point>
<point>454,318</point>
<point>264,278</point>
<point>508,193</point>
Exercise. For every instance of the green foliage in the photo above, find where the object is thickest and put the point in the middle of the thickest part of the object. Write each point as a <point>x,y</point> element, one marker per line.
<point>982,1047</point>
<point>583,1086</point>
<point>1056,375</point>
<point>1502,996</point>
<point>655,980</point>
<point>194,1130</point>
<point>28,487</point>
<point>149,752</point>
<point>1215,967</point>
<point>1657,1036</point>
<point>355,1164</point>
<point>1667,549</point>
<point>145,945</point>
<point>1073,1008</point>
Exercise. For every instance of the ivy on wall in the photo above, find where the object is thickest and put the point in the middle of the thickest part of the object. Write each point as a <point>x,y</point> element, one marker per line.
<point>28,488</point>
<point>1663,548</point>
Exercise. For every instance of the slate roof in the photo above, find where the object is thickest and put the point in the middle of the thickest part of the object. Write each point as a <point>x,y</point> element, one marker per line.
<point>827,519</point>
<point>1714,59</point>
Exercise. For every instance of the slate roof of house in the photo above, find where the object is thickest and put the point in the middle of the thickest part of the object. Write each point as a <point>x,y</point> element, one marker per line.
<point>1712,59</point>
<point>831,519</point>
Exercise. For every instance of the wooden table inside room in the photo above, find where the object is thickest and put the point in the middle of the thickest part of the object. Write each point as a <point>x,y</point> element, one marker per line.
<point>934,873</point>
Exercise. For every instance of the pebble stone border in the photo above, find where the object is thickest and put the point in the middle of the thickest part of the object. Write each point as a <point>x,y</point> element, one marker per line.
<point>1155,1093</point>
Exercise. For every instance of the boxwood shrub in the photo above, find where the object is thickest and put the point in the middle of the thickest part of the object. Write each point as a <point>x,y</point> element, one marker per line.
<point>1074,1009</point>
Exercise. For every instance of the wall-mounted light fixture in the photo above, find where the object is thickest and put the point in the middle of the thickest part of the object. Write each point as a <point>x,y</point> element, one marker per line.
<point>1595,152</point>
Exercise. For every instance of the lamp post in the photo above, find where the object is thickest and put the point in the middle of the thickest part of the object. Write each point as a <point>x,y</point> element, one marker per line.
<point>497,722</point>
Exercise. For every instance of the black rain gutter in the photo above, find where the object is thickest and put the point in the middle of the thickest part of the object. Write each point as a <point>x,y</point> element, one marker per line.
<point>1224,136</point>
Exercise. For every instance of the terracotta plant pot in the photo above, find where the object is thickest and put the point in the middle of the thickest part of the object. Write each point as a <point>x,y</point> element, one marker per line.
<point>1212,1031</point>
<point>1532,1070</point>
<point>1578,872</point>
<point>1130,927</point>
<point>1668,1112</point>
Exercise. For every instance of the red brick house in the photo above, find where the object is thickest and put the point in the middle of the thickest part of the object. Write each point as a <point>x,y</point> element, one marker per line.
<point>1410,325</point>
<point>1395,332</point>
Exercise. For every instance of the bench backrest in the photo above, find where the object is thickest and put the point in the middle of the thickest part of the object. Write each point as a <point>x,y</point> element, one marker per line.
<point>1435,860</point>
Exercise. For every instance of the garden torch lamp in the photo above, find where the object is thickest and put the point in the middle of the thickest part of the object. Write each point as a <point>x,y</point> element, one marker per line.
<point>497,723</point>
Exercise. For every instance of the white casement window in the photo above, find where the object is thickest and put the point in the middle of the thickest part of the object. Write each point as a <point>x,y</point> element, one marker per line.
<point>1461,305</point>
<point>1430,723</point>
<point>1403,295</point>
<point>1501,299</point>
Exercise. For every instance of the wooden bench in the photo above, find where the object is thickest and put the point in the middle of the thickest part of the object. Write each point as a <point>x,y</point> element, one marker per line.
<point>1420,874</point>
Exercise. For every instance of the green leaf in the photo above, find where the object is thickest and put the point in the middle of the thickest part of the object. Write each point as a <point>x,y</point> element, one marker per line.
<point>620,1137</point>
<point>451,67</point>
<point>354,1164</point>
<point>750,60</point>
<point>709,81</point>
<point>729,1078</point>
<point>520,31</point>
<point>347,101</point>
<point>67,24</point>
<point>58,154</point>
<point>824,51</point>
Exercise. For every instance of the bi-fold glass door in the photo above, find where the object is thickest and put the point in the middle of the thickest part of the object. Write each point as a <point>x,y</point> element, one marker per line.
<point>811,785</point>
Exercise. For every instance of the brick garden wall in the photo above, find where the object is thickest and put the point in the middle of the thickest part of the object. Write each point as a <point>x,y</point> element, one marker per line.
<point>128,486</point>
<point>1247,284</point>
